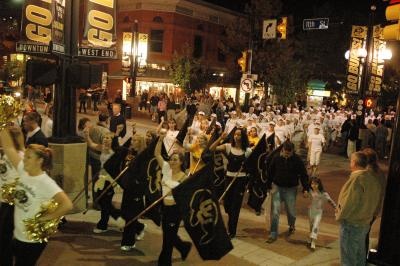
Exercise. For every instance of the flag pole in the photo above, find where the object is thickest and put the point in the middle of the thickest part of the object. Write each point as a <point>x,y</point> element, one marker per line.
<point>157,201</point>
<point>111,185</point>
<point>230,184</point>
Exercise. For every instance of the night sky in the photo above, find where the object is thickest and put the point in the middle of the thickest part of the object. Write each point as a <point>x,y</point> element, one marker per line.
<point>302,9</point>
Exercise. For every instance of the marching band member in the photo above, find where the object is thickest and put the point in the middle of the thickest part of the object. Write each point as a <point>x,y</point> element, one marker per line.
<point>173,175</point>
<point>237,151</point>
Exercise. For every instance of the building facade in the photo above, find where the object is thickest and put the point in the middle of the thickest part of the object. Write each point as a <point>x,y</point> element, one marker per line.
<point>170,26</point>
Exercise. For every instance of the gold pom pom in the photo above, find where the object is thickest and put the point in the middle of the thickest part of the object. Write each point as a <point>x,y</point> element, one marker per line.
<point>8,191</point>
<point>10,108</point>
<point>38,230</point>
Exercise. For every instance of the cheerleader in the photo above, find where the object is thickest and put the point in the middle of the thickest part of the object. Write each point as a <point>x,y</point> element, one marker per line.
<point>196,146</point>
<point>34,188</point>
<point>237,151</point>
<point>7,175</point>
<point>173,175</point>
<point>253,137</point>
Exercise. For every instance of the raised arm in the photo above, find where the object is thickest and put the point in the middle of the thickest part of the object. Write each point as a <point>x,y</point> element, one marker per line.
<point>215,146</point>
<point>157,150</point>
<point>160,125</point>
<point>9,148</point>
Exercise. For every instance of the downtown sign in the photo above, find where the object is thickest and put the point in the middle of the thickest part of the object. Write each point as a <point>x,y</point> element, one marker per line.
<point>43,28</point>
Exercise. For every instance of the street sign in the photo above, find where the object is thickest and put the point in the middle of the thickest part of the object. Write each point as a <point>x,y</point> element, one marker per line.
<point>246,84</point>
<point>269,29</point>
<point>315,24</point>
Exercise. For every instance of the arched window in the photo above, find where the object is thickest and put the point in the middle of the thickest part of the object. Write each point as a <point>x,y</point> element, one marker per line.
<point>158,19</point>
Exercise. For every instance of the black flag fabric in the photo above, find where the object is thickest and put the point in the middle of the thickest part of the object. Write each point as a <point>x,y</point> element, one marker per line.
<point>255,167</point>
<point>202,216</point>
<point>183,131</point>
<point>151,172</point>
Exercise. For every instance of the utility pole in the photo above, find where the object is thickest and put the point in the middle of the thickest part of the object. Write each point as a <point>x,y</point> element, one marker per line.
<point>134,58</point>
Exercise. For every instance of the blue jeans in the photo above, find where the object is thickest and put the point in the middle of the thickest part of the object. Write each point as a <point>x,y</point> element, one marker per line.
<point>352,244</point>
<point>288,196</point>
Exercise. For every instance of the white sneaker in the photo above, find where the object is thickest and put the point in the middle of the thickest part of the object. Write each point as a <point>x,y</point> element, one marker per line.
<point>127,248</point>
<point>312,246</point>
<point>140,236</point>
<point>99,231</point>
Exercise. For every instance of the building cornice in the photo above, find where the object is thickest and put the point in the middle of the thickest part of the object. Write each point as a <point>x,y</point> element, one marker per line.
<point>196,9</point>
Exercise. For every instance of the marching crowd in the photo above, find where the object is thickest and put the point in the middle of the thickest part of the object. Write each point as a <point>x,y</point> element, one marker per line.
<point>180,145</point>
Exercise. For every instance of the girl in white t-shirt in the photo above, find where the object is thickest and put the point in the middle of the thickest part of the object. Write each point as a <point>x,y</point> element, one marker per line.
<point>8,174</point>
<point>171,216</point>
<point>316,142</point>
<point>34,188</point>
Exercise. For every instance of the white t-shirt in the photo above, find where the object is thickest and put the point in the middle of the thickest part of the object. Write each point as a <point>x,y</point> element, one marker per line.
<point>317,142</point>
<point>167,182</point>
<point>31,193</point>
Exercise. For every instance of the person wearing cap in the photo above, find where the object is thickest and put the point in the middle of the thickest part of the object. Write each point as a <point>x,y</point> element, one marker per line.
<point>270,136</point>
<point>316,142</point>
<point>281,132</point>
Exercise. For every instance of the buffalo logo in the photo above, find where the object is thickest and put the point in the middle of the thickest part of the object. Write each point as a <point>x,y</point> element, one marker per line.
<point>204,213</point>
<point>154,176</point>
<point>21,196</point>
<point>218,170</point>
<point>3,168</point>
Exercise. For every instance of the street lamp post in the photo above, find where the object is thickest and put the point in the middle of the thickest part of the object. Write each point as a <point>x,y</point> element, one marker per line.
<point>134,58</point>
<point>366,70</point>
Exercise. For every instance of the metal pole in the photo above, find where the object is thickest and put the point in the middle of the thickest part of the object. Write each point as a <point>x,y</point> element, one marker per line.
<point>367,63</point>
<point>134,58</point>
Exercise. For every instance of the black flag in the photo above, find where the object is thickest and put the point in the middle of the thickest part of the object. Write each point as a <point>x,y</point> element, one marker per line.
<point>255,166</point>
<point>183,131</point>
<point>202,215</point>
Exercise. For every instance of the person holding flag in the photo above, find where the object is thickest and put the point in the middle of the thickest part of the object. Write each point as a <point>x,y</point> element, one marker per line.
<point>173,175</point>
<point>237,151</point>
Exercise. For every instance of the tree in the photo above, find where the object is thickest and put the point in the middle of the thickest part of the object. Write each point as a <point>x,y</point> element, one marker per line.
<point>288,82</point>
<point>185,70</point>
<point>271,58</point>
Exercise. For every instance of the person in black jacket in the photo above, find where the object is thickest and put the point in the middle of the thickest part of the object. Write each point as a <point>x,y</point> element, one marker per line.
<point>284,173</point>
<point>34,134</point>
<point>117,119</point>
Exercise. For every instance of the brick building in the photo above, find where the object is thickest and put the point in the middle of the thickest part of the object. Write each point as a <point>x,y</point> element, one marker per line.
<point>170,24</point>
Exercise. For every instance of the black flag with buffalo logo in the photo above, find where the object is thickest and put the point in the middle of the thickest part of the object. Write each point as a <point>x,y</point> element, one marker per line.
<point>202,216</point>
<point>255,167</point>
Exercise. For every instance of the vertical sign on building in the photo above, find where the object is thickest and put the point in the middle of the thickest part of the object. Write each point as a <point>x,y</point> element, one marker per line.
<point>377,62</point>
<point>58,25</point>
<point>36,28</point>
<point>99,37</point>
<point>354,67</point>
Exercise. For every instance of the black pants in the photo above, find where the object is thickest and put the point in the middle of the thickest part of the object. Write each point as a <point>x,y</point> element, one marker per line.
<point>27,254</point>
<point>131,206</point>
<point>107,209</point>
<point>233,202</point>
<point>96,166</point>
<point>171,219</point>
<point>82,104</point>
<point>160,114</point>
<point>6,233</point>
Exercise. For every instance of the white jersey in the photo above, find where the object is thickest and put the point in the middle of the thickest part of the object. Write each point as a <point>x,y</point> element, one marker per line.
<point>317,141</point>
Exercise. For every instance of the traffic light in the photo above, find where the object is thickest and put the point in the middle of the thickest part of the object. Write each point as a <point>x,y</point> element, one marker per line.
<point>369,102</point>
<point>242,61</point>
<point>392,32</point>
<point>281,27</point>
